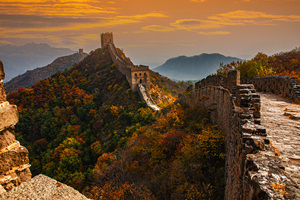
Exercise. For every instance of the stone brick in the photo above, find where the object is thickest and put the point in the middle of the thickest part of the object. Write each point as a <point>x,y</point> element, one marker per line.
<point>43,187</point>
<point>280,85</point>
<point>7,138</point>
<point>13,158</point>
<point>235,109</point>
<point>8,116</point>
<point>2,92</point>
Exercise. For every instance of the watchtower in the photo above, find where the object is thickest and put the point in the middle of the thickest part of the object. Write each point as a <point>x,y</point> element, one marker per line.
<point>106,38</point>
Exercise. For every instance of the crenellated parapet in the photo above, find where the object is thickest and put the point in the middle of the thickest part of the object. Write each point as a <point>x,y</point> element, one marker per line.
<point>14,162</point>
<point>279,85</point>
<point>235,109</point>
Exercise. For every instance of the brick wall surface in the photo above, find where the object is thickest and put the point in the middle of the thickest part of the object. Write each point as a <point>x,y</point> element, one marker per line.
<point>14,162</point>
<point>235,109</point>
<point>279,85</point>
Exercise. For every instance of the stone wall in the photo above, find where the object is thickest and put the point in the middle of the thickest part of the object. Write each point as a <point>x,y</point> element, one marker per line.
<point>146,97</point>
<point>279,85</point>
<point>134,74</point>
<point>235,109</point>
<point>14,162</point>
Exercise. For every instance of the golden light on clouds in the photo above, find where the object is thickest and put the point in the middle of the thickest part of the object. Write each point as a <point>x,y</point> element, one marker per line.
<point>68,9</point>
<point>215,33</point>
<point>78,23</point>
<point>243,16</point>
<point>158,28</point>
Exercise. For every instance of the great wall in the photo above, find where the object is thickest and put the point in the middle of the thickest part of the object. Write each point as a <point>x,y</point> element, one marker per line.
<point>261,130</point>
<point>138,77</point>
<point>255,168</point>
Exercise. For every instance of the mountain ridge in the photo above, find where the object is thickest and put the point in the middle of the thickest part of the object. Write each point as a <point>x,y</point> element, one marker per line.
<point>19,59</point>
<point>193,67</point>
<point>30,77</point>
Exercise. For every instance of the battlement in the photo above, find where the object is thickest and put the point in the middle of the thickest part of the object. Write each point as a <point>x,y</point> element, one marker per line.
<point>135,74</point>
<point>139,68</point>
<point>106,38</point>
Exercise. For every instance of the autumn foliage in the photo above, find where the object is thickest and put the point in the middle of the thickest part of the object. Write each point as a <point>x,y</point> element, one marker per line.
<point>85,127</point>
<point>281,64</point>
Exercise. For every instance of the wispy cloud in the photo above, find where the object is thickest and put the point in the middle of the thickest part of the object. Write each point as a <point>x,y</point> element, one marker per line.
<point>215,33</point>
<point>104,22</point>
<point>158,28</point>
<point>193,24</point>
<point>63,9</point>
<point>235,18</point>
<point>252,17</point>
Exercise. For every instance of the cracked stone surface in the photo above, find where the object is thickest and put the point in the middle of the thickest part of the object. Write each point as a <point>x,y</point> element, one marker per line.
<point>280,117</point>
<point>43,188</point>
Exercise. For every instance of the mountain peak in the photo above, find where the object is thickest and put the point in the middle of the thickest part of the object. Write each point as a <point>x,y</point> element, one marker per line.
<point>194,67</point>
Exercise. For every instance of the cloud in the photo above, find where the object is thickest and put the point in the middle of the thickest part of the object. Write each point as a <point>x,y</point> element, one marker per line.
<point>215,33</point>
<point>65,9</point>
<point>235,18</point>
<point>192,24</point>
<point>252,17</point>
<point>143,16</point>
<point>158,28</point>
<point>12,32</point>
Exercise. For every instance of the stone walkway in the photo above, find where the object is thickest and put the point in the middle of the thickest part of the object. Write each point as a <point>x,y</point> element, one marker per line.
<point>144,96</point>
<point>281,118</point>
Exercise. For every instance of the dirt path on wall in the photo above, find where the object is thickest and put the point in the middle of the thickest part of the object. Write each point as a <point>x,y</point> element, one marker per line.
<point>281,118</point>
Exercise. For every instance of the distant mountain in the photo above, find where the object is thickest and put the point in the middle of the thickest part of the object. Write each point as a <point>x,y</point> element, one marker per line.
<point>193,68</point>
<point>19,59</point>
<point>32,76</point>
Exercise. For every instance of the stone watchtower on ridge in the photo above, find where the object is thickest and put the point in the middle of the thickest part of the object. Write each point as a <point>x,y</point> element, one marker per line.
<point>106,38</point>
<point>134,74</point>
<point>138,77</point>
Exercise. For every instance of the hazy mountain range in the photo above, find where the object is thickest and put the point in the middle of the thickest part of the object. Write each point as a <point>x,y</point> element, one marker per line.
<point>30,77</point>
<point>19,59</point>
<point>194,67</point>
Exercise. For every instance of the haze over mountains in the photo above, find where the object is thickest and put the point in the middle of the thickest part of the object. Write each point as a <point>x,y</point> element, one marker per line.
<point>194,67</point>
<point>19,59</point>
<point>30,77</point>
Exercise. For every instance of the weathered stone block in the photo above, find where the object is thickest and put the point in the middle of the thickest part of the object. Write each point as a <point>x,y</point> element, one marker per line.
<point>8,116</point>
<point>43,187</point>
<point>13,158</point>
<point>2,92</point>
<point>7,138</point>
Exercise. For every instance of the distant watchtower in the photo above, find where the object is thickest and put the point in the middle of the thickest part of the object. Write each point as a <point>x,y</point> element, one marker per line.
<point>106,38</point>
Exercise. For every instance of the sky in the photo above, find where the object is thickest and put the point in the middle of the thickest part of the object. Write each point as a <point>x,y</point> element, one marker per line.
<point>151,31</point>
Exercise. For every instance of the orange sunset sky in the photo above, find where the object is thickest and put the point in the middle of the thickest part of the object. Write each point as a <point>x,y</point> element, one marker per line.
<point>151,31</point>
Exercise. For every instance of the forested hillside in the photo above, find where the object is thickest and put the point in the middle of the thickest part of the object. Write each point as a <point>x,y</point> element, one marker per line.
<point>87,128</point>
<point>283,64</point>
